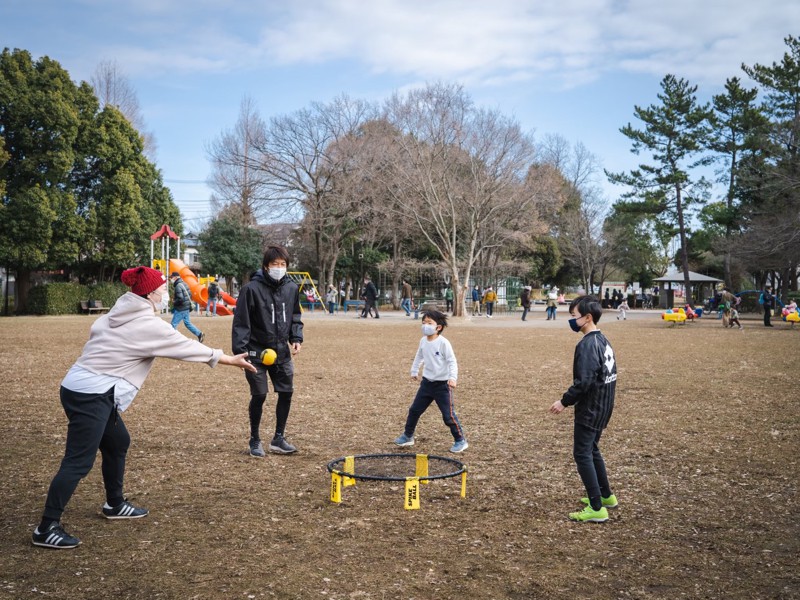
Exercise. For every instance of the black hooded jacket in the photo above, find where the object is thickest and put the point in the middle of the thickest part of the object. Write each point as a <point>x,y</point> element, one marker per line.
<point>267,315</point>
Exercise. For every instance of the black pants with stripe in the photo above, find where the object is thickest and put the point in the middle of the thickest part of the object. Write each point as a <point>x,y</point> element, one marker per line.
<point>442,394</point>
<point>94,424</point>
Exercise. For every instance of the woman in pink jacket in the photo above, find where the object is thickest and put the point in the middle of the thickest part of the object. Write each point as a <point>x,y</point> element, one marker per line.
<point>102,384</point>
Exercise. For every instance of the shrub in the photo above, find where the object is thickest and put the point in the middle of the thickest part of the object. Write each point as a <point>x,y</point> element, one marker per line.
<point>65,298</point>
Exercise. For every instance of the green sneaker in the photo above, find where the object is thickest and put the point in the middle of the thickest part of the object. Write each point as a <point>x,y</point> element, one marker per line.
<point>589,514</point>
<point>610,502</point>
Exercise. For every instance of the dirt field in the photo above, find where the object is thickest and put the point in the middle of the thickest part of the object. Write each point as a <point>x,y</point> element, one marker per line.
<point>702,453</point>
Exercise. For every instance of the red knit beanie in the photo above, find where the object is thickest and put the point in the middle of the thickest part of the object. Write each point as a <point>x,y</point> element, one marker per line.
<point>143,280</point>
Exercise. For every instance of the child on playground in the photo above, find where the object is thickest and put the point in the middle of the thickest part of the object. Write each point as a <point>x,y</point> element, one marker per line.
<point>594,372</point>
<point>622,310</point>
<point>733,318</point>
<point>439,376</point>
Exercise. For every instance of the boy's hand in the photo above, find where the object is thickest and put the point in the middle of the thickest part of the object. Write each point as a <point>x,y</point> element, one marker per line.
<point>414,378</point>
<point>557,407</point>
<point>451,383</point>
<point>295,348</point>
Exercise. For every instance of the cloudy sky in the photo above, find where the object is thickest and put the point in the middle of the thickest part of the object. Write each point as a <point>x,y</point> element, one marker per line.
<point>575,68</point>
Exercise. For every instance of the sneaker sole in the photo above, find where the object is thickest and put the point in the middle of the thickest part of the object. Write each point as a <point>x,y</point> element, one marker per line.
<point>459,451</point>
<point>406,444</point>
<point>589,520</point>
<point>117,517</point>
<point>256,455</point>
<point>45,545</point>
<point>276,450</point>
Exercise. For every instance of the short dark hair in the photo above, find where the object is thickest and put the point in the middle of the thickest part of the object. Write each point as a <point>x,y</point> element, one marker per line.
<point>437,317</point>
<point>274,253</point>
<point>587,305</point>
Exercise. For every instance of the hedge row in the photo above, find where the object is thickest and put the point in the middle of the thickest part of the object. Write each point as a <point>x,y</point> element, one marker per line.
<point>65,298</point>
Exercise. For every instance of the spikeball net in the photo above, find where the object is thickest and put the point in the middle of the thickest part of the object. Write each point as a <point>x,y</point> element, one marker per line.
<point>413,469</point>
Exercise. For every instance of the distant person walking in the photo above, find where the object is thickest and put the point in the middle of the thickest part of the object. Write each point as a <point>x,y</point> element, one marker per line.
<point>489,298</point>
<point>370,296</point>
<point>182,305</point>
<point>330,298</point>
<point>213,298</point>
<point>552,303</point>
<point>406,297</point>
<point>476,301</point>
<point>767,300</point>
<point>448,298</point>
<point>525,301</point>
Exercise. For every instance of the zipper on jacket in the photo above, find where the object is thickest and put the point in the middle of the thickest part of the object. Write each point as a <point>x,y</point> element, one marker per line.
<point>283,307</point>
<point>272,306</point>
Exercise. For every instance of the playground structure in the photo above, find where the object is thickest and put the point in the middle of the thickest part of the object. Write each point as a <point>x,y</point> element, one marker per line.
<point>381,467</point>
<point>674,316</point>
<point>198,288</point>
<point>309,294</point>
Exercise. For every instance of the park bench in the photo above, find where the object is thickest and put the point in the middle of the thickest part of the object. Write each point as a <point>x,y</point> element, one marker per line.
<point>433,305</point>
<point>357,304</point>
<point>93,306</point>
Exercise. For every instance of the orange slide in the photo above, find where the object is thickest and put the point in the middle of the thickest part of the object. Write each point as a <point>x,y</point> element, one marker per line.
<point>199,291</point>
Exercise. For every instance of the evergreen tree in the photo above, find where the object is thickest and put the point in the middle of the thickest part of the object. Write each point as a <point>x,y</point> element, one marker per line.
<point>738,125</point>
<point>675,132</point>
<point>230,248</point>
<point>39,122</point>
<point>772,234</point>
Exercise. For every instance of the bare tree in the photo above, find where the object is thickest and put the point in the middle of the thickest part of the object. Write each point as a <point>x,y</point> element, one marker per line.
<point>463,171</point>
<point>113,88</point>
<point>583,239</point>
<point>299,159</point>
<point>580,229</point>
<point>236,178</point>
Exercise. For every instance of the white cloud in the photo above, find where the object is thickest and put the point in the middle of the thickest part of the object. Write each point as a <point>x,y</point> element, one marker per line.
<point>480,41</point>
<point>565,42</point>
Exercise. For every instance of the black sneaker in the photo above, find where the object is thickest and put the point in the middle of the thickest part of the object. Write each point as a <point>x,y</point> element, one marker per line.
<point>54,537</point>
<point>256,448</point>
<point>126,510</point>
<point>281,446</point>
<point>201,337</point>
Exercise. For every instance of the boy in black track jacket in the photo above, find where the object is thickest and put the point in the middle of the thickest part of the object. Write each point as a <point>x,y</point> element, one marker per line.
<point>594,372</point>
<point>268,315</point>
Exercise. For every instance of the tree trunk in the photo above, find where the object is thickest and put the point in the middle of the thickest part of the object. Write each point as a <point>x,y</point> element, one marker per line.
<point>458,293</point>
<point>21,289</point>
<point>684,250</point>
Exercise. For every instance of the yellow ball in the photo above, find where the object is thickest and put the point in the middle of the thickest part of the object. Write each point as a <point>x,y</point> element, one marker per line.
<point>268,356</point>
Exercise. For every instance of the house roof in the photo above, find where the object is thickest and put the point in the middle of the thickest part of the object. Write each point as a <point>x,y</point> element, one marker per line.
<point>677,277</point>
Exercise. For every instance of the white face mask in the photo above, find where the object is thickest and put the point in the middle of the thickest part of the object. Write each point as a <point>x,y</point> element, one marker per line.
<point>162,304</point>
<point>277,273</point>
<point>428,329</point>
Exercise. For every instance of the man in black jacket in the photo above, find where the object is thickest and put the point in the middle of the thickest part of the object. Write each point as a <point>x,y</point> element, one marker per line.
<point>370,296</point>
<point>268,316</point>
<point>767,300</point>
<point>182,305</point>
